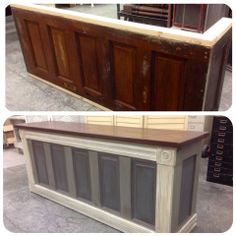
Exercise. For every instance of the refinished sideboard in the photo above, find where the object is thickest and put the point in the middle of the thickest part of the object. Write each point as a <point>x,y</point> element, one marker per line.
<point>135,180</point>
<point>124,65</point>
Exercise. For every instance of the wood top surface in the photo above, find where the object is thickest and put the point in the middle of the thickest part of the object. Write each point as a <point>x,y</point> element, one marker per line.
<point>172,138</point>
<point>208,38</point>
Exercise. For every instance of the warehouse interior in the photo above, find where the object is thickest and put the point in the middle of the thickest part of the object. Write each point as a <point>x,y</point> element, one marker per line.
<point>112,172</point>
<point>27,212</point>
<point>35,95</point>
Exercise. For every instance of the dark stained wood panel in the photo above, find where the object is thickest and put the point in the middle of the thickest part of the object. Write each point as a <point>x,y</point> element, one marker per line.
<point>60,50</point>
<point>124,74</point>
<point>40,162</point>
<point>89,54</point>
<point>168,83</point>
<point>173,138</point>
<point>37,45</point>
<point>109,181</point>
<point>58,160</point>
<point>143,191</point>
<point>116,68</point>
<point>82,173</point>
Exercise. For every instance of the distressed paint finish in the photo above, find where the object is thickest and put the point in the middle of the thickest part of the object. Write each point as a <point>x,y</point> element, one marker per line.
<point>120,184</point>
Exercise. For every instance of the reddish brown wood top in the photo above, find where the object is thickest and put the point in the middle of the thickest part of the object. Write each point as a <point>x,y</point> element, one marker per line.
<point>172,138</point>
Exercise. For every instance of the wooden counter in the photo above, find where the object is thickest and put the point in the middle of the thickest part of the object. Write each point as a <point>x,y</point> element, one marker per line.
<point>124,65</point>
<point>135,180</point>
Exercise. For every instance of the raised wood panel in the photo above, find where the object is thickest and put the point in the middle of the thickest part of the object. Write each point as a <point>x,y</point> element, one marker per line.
<point>124,67</point>
<point>82,173</point>
<point>58,160</point>
<point>36,44</point>
<point>168,83</point>
<point>109,181</point>
<point>89,54</point>
<point>40,162</point>
<point>143,191</point>
<point>61,54</point>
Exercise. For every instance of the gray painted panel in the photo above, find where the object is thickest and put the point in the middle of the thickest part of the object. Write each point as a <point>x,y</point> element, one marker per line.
<point>40,162</point>
<point>143,191</point>
<point>31,154</point>
<point>186,192</point>
<point>48,156</point>
<point>82,173</point>
<point>70,171</point>
<point>109,181</point>
<point>58,160</point>
<point>94,177</point>
<point>125,187</point>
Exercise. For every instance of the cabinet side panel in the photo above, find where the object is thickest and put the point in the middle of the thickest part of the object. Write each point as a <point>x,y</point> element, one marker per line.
<point>124,74</point>
<point>82,173</point>
<point>109,181</point>
<point>88,53</point>
<point>186,192</point>
<point>143,191</point>
<point>40,162</point>
<point>58,160</point>
<point>167,94</point>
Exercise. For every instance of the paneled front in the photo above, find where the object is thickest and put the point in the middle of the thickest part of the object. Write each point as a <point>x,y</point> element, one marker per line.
<point>117,184</point>
<point>117,68</point>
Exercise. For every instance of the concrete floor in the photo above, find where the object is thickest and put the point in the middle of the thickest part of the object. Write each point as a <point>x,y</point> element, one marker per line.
<point>27,212</point>
<point>24,93</point>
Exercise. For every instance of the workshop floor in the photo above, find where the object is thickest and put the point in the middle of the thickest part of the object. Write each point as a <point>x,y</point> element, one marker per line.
<point>27,212</point>
<point>24,93</point>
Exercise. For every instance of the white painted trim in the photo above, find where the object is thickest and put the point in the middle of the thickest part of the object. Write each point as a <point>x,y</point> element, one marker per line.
<point>146,152</point>
<point>208,38</point>
<point>91,211</point>
<point>31,179</point>
<point>164,198</point>
<point>69,92</point>
<point>189,225</point>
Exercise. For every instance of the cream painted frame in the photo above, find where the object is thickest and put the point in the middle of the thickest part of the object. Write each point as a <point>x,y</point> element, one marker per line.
<point>168,162</point>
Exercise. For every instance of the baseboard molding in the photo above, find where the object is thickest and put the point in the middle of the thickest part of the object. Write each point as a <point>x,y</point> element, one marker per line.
<point>189,225</point>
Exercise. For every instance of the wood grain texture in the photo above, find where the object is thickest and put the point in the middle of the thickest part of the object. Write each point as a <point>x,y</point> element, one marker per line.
<point>89,53</point>
<point>37,45</point>
<point>124,75</point>
<point>115,67</point>
<point>167,74</point>
<point>173,138</point>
